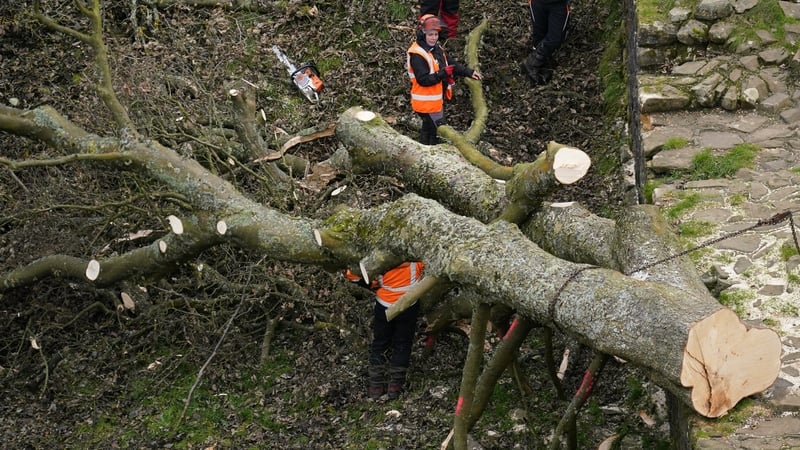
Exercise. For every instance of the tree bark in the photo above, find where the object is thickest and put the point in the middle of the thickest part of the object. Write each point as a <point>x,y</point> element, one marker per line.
<point>652,324</point>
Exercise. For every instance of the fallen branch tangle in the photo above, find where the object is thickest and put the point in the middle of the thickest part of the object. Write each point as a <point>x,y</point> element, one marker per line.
<point>496,241</point>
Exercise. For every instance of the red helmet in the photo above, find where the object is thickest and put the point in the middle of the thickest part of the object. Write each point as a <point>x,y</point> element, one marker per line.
<point>429,22</point>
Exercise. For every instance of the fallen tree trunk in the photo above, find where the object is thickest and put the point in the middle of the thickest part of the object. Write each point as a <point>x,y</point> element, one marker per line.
<point>689,343</point>
<point>653,325</point>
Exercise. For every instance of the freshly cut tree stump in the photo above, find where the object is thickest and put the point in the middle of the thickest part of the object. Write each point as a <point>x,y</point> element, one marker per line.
<point>719,349</point>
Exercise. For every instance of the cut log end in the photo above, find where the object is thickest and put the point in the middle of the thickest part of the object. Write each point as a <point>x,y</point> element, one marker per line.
<point>175,224</point>
<point>364,272</point>
<point>222,227</point>
<point>318,237</point>
<point>724,362</point>
<point>570,165</point>
<point>93,270</point>
<point>365,116</point>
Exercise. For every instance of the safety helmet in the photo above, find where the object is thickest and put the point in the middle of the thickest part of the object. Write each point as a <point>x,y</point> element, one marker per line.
<point>429,22</point>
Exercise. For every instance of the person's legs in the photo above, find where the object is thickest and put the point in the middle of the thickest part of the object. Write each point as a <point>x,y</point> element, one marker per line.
<point>427,134</point>
<point>402,345</point>
<point>450,17</point>
<point>539,18</point>
<point>381,342</point>
<point>550,26</point>
<point>557,23</point>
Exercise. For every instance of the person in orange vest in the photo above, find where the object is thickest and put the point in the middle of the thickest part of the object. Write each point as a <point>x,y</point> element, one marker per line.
<point>432,77</point>
<point>392,341</point>
<point>447,10</point>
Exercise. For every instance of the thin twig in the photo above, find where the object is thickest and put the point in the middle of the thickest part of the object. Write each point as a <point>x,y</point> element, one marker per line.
<point>210,357</point>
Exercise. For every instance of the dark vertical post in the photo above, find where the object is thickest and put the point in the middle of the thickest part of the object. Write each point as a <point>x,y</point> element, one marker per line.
<point>634,117</point>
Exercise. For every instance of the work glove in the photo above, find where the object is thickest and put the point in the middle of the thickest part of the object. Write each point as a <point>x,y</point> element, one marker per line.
<point>451,80</point>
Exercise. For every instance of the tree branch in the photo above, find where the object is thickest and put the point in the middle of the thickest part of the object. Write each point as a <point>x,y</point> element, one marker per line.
<point>105,87</point>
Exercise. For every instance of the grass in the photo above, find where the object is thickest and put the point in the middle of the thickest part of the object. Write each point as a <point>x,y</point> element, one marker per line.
<point>650,188</point>
<point>736,300</point>
<point>737,199</point>
<point>652,10</point>
<point>765,15</point>
<point>706,165</point>
<point>398,11</point>
<point>695,228</point>
<point>787,250</point>
<point>675,143</point>
<point>161,407</point>
<point>687,202</point>
<point>731,422</point>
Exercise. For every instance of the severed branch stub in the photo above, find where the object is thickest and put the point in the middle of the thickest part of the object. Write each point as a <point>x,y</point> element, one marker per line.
<point>412,295</point>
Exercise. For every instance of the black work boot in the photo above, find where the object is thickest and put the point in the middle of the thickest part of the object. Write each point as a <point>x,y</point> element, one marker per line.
<point>377,382</point>
<point>534,69</point>
<point>397,378</point>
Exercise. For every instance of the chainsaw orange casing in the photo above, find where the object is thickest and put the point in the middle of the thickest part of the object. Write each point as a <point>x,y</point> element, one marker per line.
<point>307,78</point>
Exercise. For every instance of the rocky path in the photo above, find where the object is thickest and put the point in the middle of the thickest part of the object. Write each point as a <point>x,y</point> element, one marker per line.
<point>750,267</point>
<point>718,96</point>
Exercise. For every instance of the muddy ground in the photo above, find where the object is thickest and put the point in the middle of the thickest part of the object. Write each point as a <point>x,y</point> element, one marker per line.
<point>76,373</point>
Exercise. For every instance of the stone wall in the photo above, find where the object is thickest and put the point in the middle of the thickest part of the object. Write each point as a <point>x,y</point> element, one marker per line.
<point>696,57</point>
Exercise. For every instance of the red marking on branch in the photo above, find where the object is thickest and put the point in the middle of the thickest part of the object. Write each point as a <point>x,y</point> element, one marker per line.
<point>586,385</point>
<point>511,328</point>
<point>429,341</point>
<point>459,405</point>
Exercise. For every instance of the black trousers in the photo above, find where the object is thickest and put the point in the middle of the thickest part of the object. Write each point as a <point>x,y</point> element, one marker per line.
<point>427,133</point>
<point>550,21</point>
<point>393,341</point>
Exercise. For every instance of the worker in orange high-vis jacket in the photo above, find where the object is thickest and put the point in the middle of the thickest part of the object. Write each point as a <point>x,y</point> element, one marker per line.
<point>432,77</point>
<point>392,341</point>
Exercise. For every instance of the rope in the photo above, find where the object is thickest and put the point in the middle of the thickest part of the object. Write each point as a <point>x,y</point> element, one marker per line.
<point>774,220</point>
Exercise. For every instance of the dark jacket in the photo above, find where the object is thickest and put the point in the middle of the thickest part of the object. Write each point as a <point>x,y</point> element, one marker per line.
<point>421,71</point>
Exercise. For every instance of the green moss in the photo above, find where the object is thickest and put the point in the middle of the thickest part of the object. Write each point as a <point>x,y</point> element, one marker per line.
<point>765,15</point>
<point>790,309</point>
<point>770,322</point>
<point>611,68</point>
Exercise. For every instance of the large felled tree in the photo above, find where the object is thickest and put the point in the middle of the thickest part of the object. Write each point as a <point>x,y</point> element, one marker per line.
<point>488,231</point>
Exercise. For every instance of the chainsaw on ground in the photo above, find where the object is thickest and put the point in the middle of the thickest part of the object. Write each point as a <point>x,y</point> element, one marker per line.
<point>305,77</point>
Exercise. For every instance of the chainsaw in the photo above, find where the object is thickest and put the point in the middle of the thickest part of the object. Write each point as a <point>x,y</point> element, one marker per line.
<point>305,77</point>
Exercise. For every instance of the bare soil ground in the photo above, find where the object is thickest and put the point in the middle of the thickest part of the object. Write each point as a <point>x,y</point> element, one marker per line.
<point>74,373</point>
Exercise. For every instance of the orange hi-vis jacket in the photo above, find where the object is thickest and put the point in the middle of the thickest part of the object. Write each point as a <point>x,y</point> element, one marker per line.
<point>425,99</point>
<point>394,283</point>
